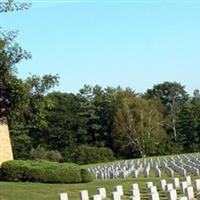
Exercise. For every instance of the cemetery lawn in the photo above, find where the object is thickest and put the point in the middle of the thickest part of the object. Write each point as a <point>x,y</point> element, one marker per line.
<point>36,191</point>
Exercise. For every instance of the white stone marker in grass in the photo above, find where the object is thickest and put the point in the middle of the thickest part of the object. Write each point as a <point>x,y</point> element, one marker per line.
<point>63,196</point>
<point>134,198</point>
<point>146,172</point>
<point>188,179</point>
<point>169,187</point>
<point>149,184</point>
<point>154,196</point>
<point>96,197</point>
<point>184,185</point>
<point>136,193</point>
<point>102,192</point>
<point>176,183</point>
<point>172,195</point>
<point>152,189</point>
<point>158,172</point>
<point>135,173</point>
<point>115,196</point>
<point>84,195</point>
<point>135,187</point>
<point>182,198</point>
<point>189,192</point>
<point>197,185</point>
<point>119,189</point>
<point>163,184</point>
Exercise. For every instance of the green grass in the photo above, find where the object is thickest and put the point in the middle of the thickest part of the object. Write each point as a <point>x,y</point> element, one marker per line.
<point>35,191</point>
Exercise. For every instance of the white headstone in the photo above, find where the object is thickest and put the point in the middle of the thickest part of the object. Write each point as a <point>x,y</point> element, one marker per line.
<point>152,189</point>
<point>169,187</point>
<point>176,183</point>
<point>149,184</point>
<point>134,198</point>
<point>119,189</point>
<point>63,196</point>
<point>84,195</point>
<point>135,186</point>
<point>163,184</point>
<point>102,192</point>
<point>96,197</point>
<point>197,185</point>
<point>154,196</point>
<point>115,196</point>
<point>146,172</point>
<point>189,192</point>
<point>184,185</point>
<point>158,172</point>
<point>188,179</point>
<point>172,195</point>
<point>182,198</point>
<point>136,193</point>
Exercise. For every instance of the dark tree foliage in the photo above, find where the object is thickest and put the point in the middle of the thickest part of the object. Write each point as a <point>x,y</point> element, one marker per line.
<point>172,95</point>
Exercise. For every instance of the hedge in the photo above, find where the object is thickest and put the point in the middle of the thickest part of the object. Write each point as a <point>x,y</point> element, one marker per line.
<point>44,172</point>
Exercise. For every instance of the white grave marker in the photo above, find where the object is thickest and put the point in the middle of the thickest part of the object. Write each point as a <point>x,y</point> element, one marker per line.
<point>84,195</point>
<point>63,196</point>
<point>102,192</point>
<point>119,189</point>
<point>189,192</point>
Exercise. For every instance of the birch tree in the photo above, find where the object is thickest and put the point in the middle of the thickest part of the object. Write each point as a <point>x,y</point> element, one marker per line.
<point>137,126</point>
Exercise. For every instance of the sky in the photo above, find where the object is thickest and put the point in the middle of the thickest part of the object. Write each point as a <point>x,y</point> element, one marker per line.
<point>135,43</point>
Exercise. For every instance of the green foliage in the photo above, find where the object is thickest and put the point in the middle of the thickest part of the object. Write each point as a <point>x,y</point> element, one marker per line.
<point>86,176</point>
<point>172,96</point>
<point>87,154</point>
<point>10,6</point>
<point>137,126</point>
<point>40,153</point>
<point>21,143</point>
<point>43,171</point>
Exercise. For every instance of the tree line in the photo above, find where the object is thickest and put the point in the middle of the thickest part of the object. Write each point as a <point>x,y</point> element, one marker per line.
<point>96,124</point>
<point>164,120</point>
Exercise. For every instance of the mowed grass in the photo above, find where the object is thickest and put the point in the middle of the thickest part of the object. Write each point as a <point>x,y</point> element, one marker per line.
<point>38,191</point>
<point>35,191</point>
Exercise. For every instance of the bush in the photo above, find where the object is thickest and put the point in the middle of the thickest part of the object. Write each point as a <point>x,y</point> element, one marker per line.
<point>86,155</point>
<point>40,153</point>
<point>86,176</point>
<point>43,171</point>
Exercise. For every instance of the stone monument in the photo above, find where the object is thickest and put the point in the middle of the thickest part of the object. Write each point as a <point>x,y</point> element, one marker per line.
<point>5,143</point>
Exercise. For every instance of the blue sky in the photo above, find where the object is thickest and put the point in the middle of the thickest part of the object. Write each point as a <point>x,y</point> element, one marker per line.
<point>129,43</point>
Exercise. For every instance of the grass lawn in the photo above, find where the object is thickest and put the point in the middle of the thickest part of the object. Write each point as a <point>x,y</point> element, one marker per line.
<point>35,191</point>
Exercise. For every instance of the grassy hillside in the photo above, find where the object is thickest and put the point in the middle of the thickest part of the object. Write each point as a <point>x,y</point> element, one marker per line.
<point>33,191</point>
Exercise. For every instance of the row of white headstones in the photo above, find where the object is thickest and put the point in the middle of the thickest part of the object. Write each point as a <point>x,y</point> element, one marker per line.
<point>182,164</point>
<point>186,188</point>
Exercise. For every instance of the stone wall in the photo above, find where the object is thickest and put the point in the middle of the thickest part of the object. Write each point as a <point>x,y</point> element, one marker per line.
<point>5,144</point>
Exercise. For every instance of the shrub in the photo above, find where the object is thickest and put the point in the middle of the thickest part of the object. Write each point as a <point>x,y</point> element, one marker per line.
<point>44,171</point>
<point>86,176</point>
<point>40,153</point>
<point>86,155</point>
<point>54,155</point>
